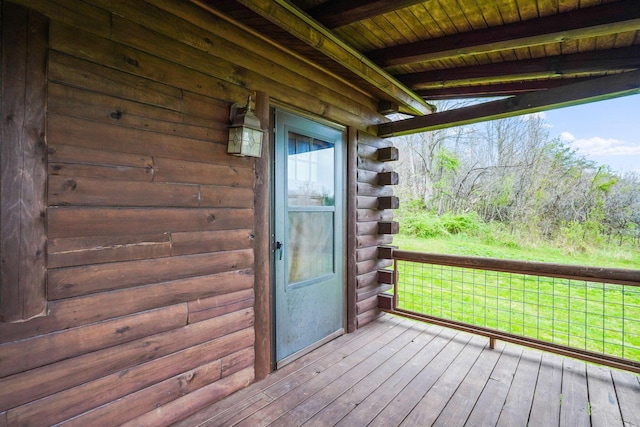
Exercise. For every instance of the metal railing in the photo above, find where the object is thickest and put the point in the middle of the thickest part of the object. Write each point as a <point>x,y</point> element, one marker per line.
<point>584,312</point>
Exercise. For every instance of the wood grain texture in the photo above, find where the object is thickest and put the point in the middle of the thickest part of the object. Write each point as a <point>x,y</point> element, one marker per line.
<point>99,107</point>
<point>153,228</point>
<point>264,362</point>
<point>87,221</point>
<point>423,375</point>
<point>78,311</point>
<point>31,353</point>
<point>352,229</point>
<point>50,379</point>
<point>195,172</point>
<point>181,408</point>
<point>226,62</point>
<point>373,265</point>
<point>72,402</point>
<point>628,393</point>
<point>374,220</point>
<point>96,156</point>
<point>63,130</point>
<point>83,15</point>
<point>215,306</point>
<point>74,281</point>
<point>94,250</point>
<point>22,164</point>
<point>84,45</point>
<point>605,408</point>
<point>83,74</point>
<point>76,191</point>
<point>159,394</point>
<point>193,242</point>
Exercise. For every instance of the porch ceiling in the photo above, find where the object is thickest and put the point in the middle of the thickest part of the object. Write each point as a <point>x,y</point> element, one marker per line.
<point>408,52</point>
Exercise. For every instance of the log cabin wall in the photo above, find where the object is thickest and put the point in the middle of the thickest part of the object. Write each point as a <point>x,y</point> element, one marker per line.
<point>374,226</point>
<point>150,264</point>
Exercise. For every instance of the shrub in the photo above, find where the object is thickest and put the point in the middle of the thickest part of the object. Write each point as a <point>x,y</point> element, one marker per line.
<point>422,225</point>
<point>460,223</point>
<point>426,224</point>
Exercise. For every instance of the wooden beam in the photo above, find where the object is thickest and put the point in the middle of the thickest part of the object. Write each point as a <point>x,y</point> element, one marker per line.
<point>386,276</point>
<point>352,229</point>
<point>387,178</point>
<point>594,21</point>
<point>387,154</point>
<point>336,13</point>
<point>388,202</point>
<point>262,246</point>
<point>496,89</point>
<point>600,61</point>
<point>300,25</point>
<point>23,166</point>
<point>578,93</point>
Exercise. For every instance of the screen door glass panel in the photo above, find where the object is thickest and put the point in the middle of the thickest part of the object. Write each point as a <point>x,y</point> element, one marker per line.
<point>311,253</point>
<point>311,169</point>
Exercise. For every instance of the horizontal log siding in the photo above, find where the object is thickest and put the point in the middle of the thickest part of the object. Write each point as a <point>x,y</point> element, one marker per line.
<point>150,224</point>
<point>368,217</point>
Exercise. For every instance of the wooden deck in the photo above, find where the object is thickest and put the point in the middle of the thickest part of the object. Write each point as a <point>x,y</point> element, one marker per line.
<point>401,372</point>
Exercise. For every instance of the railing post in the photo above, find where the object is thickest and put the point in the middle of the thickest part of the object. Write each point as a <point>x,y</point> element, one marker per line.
<point>492,343</point>
<point>395,284</point>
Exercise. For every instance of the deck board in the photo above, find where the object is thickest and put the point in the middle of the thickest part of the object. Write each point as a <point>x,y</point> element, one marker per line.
<point>353,397</point>
<point>434,401</point>
<point>305,386</point>
<point>545,410</point>
<point>377,401</point>
<point>521,390</point>
<point>413,393</point>
<point>401,372</point>
<point>574,407</point>
<point>350,378</point>
<point>628,392</point>
<point>491,400</point>
<point>602,396</point>
<point>461,404</point>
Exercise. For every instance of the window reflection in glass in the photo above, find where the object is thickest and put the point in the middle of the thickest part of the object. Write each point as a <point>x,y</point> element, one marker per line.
<point>310,171</point>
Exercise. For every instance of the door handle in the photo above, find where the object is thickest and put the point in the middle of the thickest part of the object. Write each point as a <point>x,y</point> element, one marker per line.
<point>279,250</point>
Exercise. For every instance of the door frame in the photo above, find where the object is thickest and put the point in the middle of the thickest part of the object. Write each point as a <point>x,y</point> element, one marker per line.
<point>264,238</point>
<point>286,120</point>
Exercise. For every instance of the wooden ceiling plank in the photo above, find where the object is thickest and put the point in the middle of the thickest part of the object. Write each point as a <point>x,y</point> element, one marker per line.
<point>389,29</point>
<point>579,93</point>
<point>409,22</point>
<point>622,59</point>
<point>301,26</point>
<point>590,22</point>
<point>336,13</point>
<point>625,39</point>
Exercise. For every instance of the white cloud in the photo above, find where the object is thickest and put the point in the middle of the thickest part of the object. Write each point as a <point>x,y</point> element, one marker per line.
<point>566,136</point>
<point>597,146</point>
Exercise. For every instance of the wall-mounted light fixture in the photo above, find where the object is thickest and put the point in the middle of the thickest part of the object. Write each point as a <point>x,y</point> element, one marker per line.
<point>245,131</point>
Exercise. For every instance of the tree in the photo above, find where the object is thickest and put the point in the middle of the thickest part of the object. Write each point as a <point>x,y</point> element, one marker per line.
<point>510,171</point>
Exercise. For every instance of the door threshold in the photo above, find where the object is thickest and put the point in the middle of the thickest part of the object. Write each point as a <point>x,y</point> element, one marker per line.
<point>309,349</point>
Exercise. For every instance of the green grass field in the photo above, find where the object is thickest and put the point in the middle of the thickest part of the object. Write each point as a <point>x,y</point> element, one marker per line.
<point>599,317</point>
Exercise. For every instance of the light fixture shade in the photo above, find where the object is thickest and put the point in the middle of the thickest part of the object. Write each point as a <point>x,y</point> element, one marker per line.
<point>244,141</point>
<point>245,133</point>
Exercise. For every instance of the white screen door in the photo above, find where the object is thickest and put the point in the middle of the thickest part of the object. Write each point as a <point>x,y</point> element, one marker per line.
<point>308,250</point>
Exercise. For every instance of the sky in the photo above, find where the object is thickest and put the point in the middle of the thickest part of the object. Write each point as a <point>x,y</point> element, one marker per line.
<point>607,132</point>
